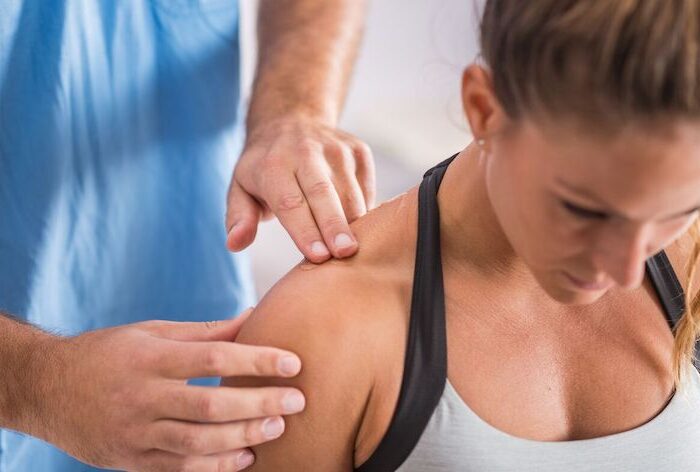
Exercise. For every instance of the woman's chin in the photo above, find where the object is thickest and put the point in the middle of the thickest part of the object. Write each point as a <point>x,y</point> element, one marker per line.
<point>570,296</point>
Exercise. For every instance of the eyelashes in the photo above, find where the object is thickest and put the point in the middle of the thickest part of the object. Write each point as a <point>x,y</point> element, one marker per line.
<point>588,214</point>
<point>583,213</point>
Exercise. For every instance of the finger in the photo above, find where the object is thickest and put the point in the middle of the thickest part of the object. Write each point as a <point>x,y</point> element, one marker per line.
<point>366,173</point>
<point>201,439</point>
<point>289,203</point>
<point>345,178</point>
<point>163,461</point>
<point>227,404</point>
<point>186,360</point>
<point>216,330</point>
<point>351,196</point>
<point>242,217</point>
<point>327,210</point>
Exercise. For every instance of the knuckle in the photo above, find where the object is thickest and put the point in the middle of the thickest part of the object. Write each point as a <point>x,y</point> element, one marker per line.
<point>150,324</point>
<point>309,234</point>
<point>262,363</point>
<point>207,407</point>
<point>270,404</point>
<point>307,149</point>
<point>226,464</point>
<point>270,168</point>
<point>335,150</point>
<point>363,152</point>
<point>334,223</point>
<point>252,433</point>
<point>290,201</point>
<point>150,357</point>
<point>272,161</point>
<point>321,188</point>
<point>192,442</point>
<point>214,360</point>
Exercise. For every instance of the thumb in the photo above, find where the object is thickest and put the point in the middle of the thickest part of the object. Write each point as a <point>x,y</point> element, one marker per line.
<point>242,218</point>
<point>225,330</point>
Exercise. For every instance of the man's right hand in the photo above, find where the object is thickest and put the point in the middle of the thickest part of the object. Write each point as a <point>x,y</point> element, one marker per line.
<point>118,398</point>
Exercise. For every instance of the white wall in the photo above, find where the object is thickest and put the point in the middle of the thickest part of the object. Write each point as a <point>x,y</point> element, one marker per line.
<point>404,98</point>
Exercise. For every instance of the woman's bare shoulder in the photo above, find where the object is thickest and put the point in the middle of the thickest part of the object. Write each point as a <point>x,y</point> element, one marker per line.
<point>345,293</point>
<point>339,317</point>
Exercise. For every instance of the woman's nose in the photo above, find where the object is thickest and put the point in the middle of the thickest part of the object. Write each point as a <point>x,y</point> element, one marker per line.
<point>623,256</point>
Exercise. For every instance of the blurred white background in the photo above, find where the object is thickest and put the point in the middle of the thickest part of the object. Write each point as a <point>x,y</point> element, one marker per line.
<point>404,101</point>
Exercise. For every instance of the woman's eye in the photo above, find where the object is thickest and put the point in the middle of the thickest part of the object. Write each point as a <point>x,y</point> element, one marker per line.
<point>583,212</point>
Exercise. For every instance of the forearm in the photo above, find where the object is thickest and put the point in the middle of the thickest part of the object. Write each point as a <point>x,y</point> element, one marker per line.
<point>306,52</point>
<point>22,347</point>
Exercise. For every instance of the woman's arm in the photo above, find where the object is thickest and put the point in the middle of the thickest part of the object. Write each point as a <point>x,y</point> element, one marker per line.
<point>318,314</point>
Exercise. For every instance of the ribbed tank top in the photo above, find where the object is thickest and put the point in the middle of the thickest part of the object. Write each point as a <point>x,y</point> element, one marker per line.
<point>434,430</point>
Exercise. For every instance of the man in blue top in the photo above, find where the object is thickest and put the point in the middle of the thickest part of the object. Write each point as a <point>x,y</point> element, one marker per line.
<point>119,128</point>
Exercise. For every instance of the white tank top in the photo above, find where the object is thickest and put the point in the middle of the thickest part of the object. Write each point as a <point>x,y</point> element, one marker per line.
<point>456,439</point>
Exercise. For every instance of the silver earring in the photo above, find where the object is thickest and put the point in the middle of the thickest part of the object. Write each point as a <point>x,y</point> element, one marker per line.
<point>481,142</point>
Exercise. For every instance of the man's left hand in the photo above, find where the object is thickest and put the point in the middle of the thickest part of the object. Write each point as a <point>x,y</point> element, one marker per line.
<point>314,178</point>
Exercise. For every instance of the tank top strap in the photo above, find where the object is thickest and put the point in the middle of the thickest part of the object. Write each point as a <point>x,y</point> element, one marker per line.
<point>669,291</point>
<point>425,362</point>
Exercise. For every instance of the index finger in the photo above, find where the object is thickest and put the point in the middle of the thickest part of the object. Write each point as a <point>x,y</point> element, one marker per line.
<point>187,360</point>
<point>289,204</point>
<point>328,211</point>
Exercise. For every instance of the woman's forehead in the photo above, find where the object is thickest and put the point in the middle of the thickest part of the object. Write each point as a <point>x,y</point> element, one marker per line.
<point>639,167</point>
<point>674,149</point>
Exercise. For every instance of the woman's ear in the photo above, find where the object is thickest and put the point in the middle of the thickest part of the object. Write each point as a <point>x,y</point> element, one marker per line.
<point>484,113</point>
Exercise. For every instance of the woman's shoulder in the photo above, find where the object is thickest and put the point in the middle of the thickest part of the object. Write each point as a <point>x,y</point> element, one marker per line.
<point>346,319</point>
<point>346,293</point>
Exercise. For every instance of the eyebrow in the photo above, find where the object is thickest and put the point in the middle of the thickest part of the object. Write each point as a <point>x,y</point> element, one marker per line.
<point>605,208</point>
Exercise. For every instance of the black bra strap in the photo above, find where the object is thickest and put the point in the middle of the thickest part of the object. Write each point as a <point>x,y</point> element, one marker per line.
<point>667,287</point>
<point>670,292</point>
<point>425,364</point>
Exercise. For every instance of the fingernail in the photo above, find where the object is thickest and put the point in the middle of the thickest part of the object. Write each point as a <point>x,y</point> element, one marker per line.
<point>289,365</point>
<point>245,459</point>
<point>342,240</point>
<point>293,402</point>
<point>273,428</point>
<point>233,226</point>
<point>319,249</point>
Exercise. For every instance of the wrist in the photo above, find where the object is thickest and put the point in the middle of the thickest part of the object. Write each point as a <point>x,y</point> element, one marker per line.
<point>282,122</point>
<point>27,368</point>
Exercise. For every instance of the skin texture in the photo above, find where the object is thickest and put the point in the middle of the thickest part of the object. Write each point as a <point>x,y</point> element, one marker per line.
<point>135,411</point>
<point>534,354</point>
<point>296,164</point>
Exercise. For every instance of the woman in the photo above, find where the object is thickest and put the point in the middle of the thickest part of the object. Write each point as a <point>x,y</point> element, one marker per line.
<point>538,330</point>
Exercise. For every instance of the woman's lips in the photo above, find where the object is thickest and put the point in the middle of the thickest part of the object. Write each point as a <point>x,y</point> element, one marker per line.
<point>588,286</point>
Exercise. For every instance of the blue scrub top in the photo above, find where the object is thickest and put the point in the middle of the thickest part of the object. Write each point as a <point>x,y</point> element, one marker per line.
<point>119,130</point>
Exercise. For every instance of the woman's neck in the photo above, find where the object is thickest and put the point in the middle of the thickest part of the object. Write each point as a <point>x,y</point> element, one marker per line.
<point>472,237</point>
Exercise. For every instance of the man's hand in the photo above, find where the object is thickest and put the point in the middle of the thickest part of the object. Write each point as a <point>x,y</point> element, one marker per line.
<point>296,164</point>
<point>118,397</point>
<point>314,178</point>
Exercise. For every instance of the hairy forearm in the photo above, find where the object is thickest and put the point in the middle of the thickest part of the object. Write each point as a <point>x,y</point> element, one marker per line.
<point>306,52</point>
<point>22,347</point>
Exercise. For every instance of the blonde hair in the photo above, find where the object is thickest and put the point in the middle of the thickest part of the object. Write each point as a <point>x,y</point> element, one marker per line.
<point>604,63</point>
